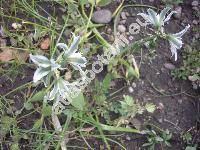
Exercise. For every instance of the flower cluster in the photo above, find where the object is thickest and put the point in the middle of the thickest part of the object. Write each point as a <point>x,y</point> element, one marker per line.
<point>158,21</point>
<point>48,70</point>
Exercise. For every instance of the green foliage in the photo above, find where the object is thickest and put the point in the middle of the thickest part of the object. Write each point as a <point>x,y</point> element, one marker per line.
<point>130,107</point>
<point>190,67</point>
<point>155,138</point>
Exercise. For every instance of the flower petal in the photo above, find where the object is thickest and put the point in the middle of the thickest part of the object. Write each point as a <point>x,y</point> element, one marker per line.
<point>153,15</point>
<point>40,73</point>
<point>169,16</point>
<point>74,46</point>
<point>180,34</point>
<point>163,14</point>
<point>174,52</point>
<point>62,46</point>
<point>176,41</point>
<point>40,60</point>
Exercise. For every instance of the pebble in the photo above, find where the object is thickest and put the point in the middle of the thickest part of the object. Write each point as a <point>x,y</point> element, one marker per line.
<point>194,86</point>
<point>123,15</point>
<point>193,78</point>
<point>130,90</point>
<point>195,8</point>
<point>121,28</point>
<point>111,38</point>
<point>195,3</point>
<point>195,22</point>
<point>122,22</point>
<point>169,66</point>
<point>134,85</point>
<point>179,12</point>
<point>103,16</point>
<point>109,31</point>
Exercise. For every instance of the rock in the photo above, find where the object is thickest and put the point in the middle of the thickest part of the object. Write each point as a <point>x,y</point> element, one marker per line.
<point>195,8</point>
<point>45,44</point>
<point>134,85</point>
<point>195,22</point>
<point>130,90</point>
<point>194,86</point>
<point>109,31</point>
<point>136,123</point>
<point>111,38</point>
<point>121,28</point>
<point>195,3</point>
<point>123,15</point>
<point>179,12</point>
<point>102,16</point>
<point>193,78</point>
<point>169,66</point>
<point>122,22</point>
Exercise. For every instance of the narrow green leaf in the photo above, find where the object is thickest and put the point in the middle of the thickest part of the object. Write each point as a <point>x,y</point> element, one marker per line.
<point>37,124</point>
<point>120,129</point>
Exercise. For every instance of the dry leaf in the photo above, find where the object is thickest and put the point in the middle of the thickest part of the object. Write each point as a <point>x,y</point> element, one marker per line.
<point>45,44</point>
<point>8,54</point>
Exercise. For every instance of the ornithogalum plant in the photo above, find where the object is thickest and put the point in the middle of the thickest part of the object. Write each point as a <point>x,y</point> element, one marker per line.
<point>48,70</point>
<point>158,21</point>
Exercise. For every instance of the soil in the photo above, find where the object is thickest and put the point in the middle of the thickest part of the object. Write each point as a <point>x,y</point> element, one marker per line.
<point>178,103</point>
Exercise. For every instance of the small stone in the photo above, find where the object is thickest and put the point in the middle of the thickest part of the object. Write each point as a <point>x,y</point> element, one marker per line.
<point>194,86</point>
<point>16,26</point>
<point>109,31</point>
<point>130,90</point>
<point>111,38</point>
<point>160,120</point>
<point>128,138</point>
<point>121,28</point>
<point>169,66</point>
<point>195,3</point>
<point>103,16</point>
<point>195,8</point>
<point>180,101</point>
<point>122,22</point>
<point>127,14</point>
<point>134,85</point>
<point>193,78</point>
<point>179,12</point>
<point>45,44</point>
<point>160,106</point>
<point>195,22</point>
<point>123,15</point>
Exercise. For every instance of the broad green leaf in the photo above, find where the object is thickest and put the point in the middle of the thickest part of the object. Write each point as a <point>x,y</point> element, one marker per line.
<point>190,148</point>
<point>28,105</point>
<point>39,96</point>
<point>104,2</point>
<point>79,101</point>
<point>150,107</point>
<point>83,2</point>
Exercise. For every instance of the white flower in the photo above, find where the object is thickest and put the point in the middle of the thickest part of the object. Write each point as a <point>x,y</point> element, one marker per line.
<point>45,67</point>
<point>62,90</point>
<point>155,19</point>
<point>175,41</point>
<point>71,55</point>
